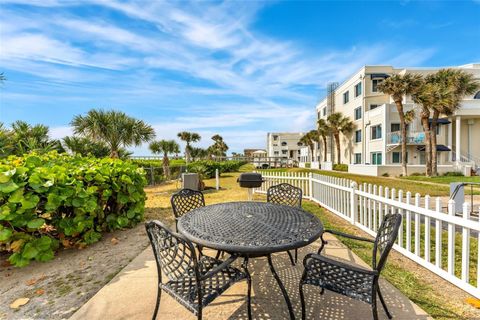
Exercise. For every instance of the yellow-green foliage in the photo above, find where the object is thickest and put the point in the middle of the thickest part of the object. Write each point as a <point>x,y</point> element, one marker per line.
<point>56,199</point>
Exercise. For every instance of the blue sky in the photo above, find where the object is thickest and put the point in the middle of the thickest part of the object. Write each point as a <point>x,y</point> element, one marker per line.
<point>237,68</point>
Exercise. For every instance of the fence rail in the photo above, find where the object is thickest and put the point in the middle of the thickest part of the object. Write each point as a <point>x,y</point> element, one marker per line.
<point>436,239</point>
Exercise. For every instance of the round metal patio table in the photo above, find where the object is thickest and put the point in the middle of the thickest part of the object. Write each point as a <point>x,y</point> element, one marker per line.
<point>252,229</point>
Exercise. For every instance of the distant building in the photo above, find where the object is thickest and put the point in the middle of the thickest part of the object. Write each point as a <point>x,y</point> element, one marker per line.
<point>284,145</point>
<point>249,153</point>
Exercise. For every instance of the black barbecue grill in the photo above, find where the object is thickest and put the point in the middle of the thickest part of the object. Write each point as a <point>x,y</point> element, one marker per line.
<point>250,180</point>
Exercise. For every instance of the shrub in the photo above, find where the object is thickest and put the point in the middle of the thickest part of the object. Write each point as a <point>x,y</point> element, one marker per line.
<point>56,200</point>
<point>308,165</point>
<point>206,168</point>
<point>340,167</point>
<point>385,174</point>
<point>417,174</point>
<point>453,174</point>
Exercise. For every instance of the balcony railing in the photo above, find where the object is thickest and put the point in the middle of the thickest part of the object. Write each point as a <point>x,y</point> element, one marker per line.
<point>414,138</point>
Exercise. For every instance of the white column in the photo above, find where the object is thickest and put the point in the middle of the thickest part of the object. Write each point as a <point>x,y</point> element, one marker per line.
<point>450,139</point>
<point>458,125</point>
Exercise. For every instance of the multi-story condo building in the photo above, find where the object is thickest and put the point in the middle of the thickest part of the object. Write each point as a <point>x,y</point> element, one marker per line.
<point>374,146</point>
<point>284,145</point>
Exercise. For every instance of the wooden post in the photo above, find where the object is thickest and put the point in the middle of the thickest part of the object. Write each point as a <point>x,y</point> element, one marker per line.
<point>451,240</point>
<point>466,244</point>
<point>353,202</point>
<point>217,179</point>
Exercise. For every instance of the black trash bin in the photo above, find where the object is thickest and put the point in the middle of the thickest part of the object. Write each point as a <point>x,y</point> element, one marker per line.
<point>250,180</point>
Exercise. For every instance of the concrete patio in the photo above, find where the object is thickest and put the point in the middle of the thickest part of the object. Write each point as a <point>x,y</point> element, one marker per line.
<point>131,294</point>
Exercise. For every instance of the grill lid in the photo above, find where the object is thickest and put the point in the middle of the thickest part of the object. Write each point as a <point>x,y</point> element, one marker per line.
<point>250,176</point>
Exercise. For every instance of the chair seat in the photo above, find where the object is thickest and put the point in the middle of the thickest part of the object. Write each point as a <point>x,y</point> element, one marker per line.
<point>351,281</point>
<point>184,290</point>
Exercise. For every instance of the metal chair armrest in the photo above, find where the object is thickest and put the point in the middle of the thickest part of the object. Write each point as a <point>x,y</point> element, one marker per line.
<point>218,268</point>
<point>350,236</point>
<point>337,263</point>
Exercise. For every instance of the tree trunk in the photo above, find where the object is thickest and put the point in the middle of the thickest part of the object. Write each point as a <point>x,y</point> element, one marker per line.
<point>324,149</point>
<point>166,167</point>
<point>403,128</point>
<point>337,143</point>
<point>433,138</point>
<point>114,154</point>
<point>187,153</point>
<point>428,143</point>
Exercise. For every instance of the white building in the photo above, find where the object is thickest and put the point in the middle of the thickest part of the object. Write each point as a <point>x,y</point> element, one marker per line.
<point>284,145</point>
<point>374,146</point>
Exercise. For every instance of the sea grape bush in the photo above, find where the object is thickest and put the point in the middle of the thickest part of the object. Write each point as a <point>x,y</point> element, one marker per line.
<point>53,200</point>
<point>207,167</point>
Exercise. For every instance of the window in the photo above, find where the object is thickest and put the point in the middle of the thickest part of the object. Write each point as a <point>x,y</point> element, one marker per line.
<point>284,151</point>
<point>275,153</point>
<point>358,89</point>
<point>394,127</point>
<point>376,132</point>
<point>318,115</point>
<point>375,83</point>
<point>477,95</point>
<point>357,158</point>
<point>373,106</point>
<point>346,97</point>
<point>275,137</point>
<point>324,111</point>
<point>376,157</point>
<point>299,144</point>
<point>358,113</point>
<point>397,157</point>
<point>423,159</point>
<point>358,136</point>
<point>284,143</point>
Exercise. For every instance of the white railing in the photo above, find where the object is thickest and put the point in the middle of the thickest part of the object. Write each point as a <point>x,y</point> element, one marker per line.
<point>425,224</point>
<point>412,137</point>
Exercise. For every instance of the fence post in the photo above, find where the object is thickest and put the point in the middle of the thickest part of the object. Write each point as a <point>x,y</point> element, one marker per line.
<point>466,244</point>
<point>451,240</point>
<point>217,179</point>
<point>353,202</point>
<point>310,184</point>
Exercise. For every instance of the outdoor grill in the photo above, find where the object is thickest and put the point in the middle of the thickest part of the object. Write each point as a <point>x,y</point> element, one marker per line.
<point>250,180</point>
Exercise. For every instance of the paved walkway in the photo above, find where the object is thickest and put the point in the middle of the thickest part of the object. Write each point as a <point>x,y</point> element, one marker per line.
<point>131,294</point>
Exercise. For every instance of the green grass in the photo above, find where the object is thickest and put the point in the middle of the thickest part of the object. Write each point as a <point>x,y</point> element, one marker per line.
<point>398,184</point>
<point>409,283</point>
<point>443,179</point>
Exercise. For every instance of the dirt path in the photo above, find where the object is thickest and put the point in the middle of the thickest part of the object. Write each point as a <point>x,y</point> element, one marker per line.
<point>58,288</point>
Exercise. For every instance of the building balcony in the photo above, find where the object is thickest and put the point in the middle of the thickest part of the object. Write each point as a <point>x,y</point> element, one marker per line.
<point>413,138</point>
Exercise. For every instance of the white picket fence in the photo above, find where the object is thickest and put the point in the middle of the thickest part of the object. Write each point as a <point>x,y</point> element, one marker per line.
<point>421,234</point>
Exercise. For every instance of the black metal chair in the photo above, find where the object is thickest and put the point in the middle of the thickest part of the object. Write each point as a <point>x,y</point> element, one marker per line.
<point>352,281</point>
<point>193,282</point>
<point>287,195</point>
<point>185,201</point>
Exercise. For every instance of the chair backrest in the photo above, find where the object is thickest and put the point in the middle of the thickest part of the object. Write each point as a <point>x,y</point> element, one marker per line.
<point>175,255</point>
<point>386,236</point>
<point>285,194</point>
<point>186,200</point>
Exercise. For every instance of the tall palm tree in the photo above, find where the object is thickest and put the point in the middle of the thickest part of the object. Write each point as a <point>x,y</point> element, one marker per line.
<point>453,86</point>
<point>309,140</point>
<point>323,132</point>
<point>26,138</point>
<point>85,147</point>
<point>114,128</point>
<point>188,137</point>
<point>199,153</point>
<point>337,124</point>
<point>166,147</point>
<point>398,86</point>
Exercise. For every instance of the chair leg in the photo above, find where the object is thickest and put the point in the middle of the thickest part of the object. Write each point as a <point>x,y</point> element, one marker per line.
<point>296,256</point>
<point>302,300</point>
<point>157,305</point>
<point>383,303</point>
<point>217,255</point>
<point>374,306</point>
<point>249,288</point>
<point>199,315</point>
<point>324,242</point>
<point>291,258</point>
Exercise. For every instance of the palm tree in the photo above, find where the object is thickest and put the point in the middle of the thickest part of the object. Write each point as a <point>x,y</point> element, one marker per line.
<point>453,86</point>
<point>199,153</point>
<point>166,147</point>
<point>2,77</point>
<point>26,138</point>
<point>219,147</point>
<point>114,128</point>
<point>323,132</point>
<point>309,140</point>
<point>398,86</point>
<point>85,147</point>
<point>188,137</point>
<point>337,124</point>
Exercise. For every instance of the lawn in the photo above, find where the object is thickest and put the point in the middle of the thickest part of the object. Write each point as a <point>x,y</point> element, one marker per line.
<point>433,294</point>
<point>414,184</point>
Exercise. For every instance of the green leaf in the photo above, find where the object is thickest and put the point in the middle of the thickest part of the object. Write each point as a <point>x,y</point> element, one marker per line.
<point>35,223</point>
<point>5,234</point>
<point>17,260</point>
<point>44,243</point>
<point>29,251</point>
<point>45,256</point>
<point>53,202</point>
<point>122,221</point>
<point>4,178</point>
<point>16,196</point>
<point>8,187</point>
<point>30,201</point>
